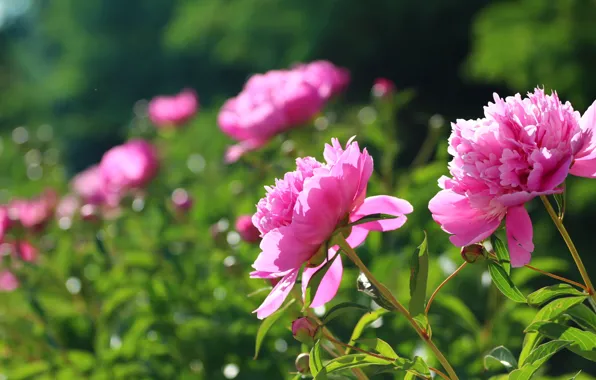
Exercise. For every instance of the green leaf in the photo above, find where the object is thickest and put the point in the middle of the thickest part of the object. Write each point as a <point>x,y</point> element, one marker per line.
<point>341,308</point>
<point>561,201</point>
<point>29,370</point>
<point>417,367</point>
<point>503,283</point>
<point>118,298</point>
<point>372,218</point>
<point>418,278</point>
<point>348,362</point>
<point>557,307</point>
<point>315,362</point>
<point>583,342</point>
<point>583,316</point>
<point>364,321</point>
<point>524,373</point>
<point>542,353</point>
<point>422,321</point>
<point>82,360</point>
<point>267,324</point>
<point>315,281</point>
<point>502,253</point>
<point>459,310</point>
<point>380,346</point>
<point>502,356</point>
<point>547,293</point>
<point>576,375</point>
<point>365,286</point>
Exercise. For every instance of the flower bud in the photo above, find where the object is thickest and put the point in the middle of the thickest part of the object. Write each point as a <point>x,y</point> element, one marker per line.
<point>247,230</point>
<point>383,88</point>
<point>181,200</point>
<point>26,251</point>
<point>8,281</point>
<point>471,253</point>
<point>89,212</point>
<point>302,363</point>
<point>305,330</point>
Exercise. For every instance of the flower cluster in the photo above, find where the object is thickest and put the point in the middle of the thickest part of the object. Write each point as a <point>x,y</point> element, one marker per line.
<point>521,149</point>
<point>276,101</point>
<point>299,215</point>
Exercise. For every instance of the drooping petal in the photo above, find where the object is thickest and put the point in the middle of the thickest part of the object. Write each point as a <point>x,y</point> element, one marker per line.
<point>357,236</point>
<point>281,251</point>
<point>585,159</point>
<point>278,295</point>
<point>519,236</point>
<point>382,204</point>
<point>456,216</point>
<point>330,282</point>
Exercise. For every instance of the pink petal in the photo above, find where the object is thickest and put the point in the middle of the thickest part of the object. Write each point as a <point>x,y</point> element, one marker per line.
<point>456,216</point>
<point>519,236</point>
<point>281,251</point>
<point>383,204</point>
<point>330,282</point>
<point>585,159</point>
<point>278,295</point>
<point>357,236</point>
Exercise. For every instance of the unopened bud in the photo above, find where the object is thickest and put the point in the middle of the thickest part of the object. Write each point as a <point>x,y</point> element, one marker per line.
<point>302,363</point>
<point>247,230</point>
<point>383,88</point>
<point>305,330</point>
<point>181,200</point>
<point>471,253</point>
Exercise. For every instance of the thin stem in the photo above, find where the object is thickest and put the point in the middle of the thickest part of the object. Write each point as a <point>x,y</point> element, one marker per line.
<point>349,251</point>
<point>359,349</point>
<point>571,282</point>
<point>571,246</point>
<point>444,376</point>
<point>432,297</point>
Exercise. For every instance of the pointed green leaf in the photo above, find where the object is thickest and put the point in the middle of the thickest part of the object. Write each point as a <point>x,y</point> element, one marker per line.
<point>502,253</point>
<point>422,321</point>
<point>500,356</point>
<point>315,361</point>
<point>583,316</point>
<point>418,278</point>
<point>341,308</point>
<point>503,283</point>
<point>542,353</point>
<point>348,362</point>
<point>547,293</point>
<point>380,346</point>
<point>583,342</point>
<point>364,321</point>
<point>372,218</point>
<point>417,367</point>
<point>315,281</point>
<point>557,307</point>
<point>524,373</point>
<point>267,324</point>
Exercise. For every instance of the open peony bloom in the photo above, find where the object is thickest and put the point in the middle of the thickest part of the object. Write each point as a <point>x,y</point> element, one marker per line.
<point>276,101</point>
<point>521,149</point>
<point>173,111</point>
<point>128,166</point>
<point>301,212</point>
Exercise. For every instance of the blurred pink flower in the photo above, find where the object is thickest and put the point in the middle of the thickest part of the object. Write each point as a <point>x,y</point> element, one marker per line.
<point>68,206</point>
<point>35,212</point>
<point>523,148</point>
<point>8,281</point>
<point>4,222</point>
<point>383,88</point>
<point>128,166</point>
<point>301,212</point>
<point>25,251</point>
<point>90,185</point>
<point>181,200</point>
<point>248,232</point>
<point>173,111</point>
<point>329,79</point>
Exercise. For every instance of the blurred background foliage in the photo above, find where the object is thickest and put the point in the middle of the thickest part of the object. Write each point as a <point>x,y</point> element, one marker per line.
<point>165,298</point>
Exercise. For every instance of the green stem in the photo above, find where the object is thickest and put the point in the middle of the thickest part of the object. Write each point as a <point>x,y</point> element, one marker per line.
<point>340,240</point>
<point>571,246</point>
<point>432,297</point>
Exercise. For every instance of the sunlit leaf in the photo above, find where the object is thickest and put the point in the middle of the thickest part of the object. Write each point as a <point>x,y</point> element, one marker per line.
<point>315,361</point>
<point>373,218</point>
<point>583,316</point>
<point>503,283</point>
<point>524,373</point>
<point>364,321</point>
<point>502,253</point>
<point>547,293</point>
<point>380,346</point>
<point>583,342</point>
<point>542,353</point>
<point>502,356</point>
<point>418,278</point>
<point>348,362</point>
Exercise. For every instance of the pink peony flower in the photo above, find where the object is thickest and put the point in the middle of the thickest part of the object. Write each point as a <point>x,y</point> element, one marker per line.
<point>247,230</point>
<point>382,88</point>
<point>301,212</point>
<point>68,206</point>
<point>90,186</point>
<point>329,79</point>
<point>33,213</point>
<point>521,149</point>
<point>8,281</point>
<point>25,251</point>
<point>173,111</point>
<point>128,166</point>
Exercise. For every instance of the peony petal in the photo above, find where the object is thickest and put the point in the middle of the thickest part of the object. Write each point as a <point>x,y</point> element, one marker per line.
<point>519,236</point>
<point>330,282</point>
<point>278,295</point>
<point>456,216</point>
<point>382,204</point>
<point>585,159</point>
<point>357,236</point>
<point>281,251</point>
